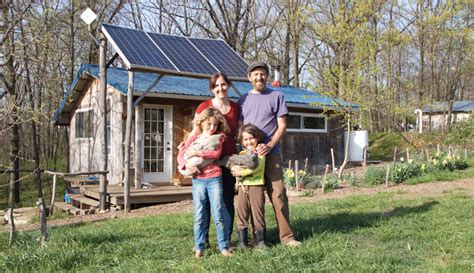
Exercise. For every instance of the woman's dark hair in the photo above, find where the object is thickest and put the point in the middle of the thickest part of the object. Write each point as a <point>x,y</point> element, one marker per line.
<point>213,80</point>
<point>252,130</point>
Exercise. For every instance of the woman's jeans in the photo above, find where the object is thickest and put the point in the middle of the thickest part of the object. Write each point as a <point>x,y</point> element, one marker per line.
<point>208,190</point>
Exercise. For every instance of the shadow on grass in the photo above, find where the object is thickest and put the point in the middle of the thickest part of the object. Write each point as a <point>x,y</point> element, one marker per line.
<point>345,222</point>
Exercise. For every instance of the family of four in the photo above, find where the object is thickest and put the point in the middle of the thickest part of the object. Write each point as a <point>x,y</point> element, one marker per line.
<point>261,114</point>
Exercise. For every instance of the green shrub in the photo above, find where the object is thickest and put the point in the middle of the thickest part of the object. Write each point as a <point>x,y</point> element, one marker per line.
<point>330,184</point>
<point>403,171</point>
<point>374,176</point>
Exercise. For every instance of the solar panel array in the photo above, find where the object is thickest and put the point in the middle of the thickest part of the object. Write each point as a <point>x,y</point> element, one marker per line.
<point>175,54</point>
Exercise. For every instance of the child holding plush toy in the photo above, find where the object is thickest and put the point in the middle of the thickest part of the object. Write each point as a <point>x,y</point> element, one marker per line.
<point>207,179</point>
<point>250,199</point>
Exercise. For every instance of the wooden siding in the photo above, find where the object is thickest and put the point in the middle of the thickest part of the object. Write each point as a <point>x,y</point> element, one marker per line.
<point>84,153</point>
<point>314,146</point>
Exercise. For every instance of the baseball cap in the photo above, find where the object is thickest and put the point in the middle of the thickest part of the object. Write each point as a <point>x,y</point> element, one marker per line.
<point>258,64</point>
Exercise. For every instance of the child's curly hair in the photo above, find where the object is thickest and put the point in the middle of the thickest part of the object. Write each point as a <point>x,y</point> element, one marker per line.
<point>252,130</point>
<point>208,113</point>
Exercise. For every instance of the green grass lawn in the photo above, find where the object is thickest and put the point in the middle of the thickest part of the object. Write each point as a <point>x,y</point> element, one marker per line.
<point>385,232</point>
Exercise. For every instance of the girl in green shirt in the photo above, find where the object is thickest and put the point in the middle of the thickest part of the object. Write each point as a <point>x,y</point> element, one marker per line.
<point>250,199</point>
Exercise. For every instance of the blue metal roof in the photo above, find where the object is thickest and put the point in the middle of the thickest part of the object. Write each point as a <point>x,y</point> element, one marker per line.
<point>458,106</point>
<point>180,85</point>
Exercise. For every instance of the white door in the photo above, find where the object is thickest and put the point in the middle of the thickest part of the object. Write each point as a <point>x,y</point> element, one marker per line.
<point>158,142</point>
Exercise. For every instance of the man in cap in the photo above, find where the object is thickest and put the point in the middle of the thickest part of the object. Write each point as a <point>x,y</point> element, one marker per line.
<point>266,109</point>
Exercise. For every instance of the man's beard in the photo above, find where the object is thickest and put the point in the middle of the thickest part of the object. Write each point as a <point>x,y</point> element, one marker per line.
<point>259,86</point>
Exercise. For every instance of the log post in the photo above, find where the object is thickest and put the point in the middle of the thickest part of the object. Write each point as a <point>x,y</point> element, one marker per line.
<point>103,124</point>
<point>386,176</point>
<point>138,146</point>
<point>53,195</point>
<point>128,136</point>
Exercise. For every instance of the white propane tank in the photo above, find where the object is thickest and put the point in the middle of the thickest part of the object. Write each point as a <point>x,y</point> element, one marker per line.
<point>357,141</point>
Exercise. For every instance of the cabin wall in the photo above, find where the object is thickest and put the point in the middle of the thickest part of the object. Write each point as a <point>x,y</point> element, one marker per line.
<point>438,120</point>
<point>316,147</point>
<point>85,153</point>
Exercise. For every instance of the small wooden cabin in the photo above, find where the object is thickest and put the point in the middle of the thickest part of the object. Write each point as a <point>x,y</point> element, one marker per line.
<point>164,117</point>
<point>437,114</point>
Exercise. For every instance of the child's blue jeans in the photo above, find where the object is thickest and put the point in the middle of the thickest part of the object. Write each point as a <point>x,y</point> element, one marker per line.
<point>208,190</point>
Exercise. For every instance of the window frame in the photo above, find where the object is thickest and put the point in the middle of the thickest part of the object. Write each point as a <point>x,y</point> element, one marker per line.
<point>91,125</point>
<point>301,129</point>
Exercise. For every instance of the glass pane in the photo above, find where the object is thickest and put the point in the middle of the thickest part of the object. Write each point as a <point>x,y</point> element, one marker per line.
<point>147,166</point>
<point>153,153</point>
<point>313,123</point>
<point>153,139</point>
<point>161,127</point>
<point>153,166</point>
<point>159,139</point>
<point>147,153</point>
<point>161,115</point>
<point>147,114</point>
<point>147,140</point>
<point>147,127</point>
<point>294,122</point>
<point>160,153</point>
<point>160,166</point>
<point>153,127</point>
<point>153,114</point>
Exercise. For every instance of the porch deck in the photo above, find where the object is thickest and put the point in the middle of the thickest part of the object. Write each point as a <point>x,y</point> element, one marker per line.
<point>158,194</point>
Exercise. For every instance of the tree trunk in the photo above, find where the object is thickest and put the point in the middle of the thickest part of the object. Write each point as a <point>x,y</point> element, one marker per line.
<point>346,150</point>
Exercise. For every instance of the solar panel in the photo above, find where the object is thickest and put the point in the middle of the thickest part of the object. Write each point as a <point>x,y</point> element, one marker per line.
<point>224,58</point>
<point>183,54</point>
<point>174,54</point>
<point>134,47</point>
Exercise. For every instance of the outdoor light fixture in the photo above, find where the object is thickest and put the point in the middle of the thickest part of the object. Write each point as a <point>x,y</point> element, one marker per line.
<point>88,16</point>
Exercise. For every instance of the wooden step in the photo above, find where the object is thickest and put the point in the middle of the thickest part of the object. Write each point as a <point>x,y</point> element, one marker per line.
<point>83,202</point>
<point>67,208</point>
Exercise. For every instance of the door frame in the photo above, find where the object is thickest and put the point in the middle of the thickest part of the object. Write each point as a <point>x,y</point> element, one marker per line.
<point>165,176</point>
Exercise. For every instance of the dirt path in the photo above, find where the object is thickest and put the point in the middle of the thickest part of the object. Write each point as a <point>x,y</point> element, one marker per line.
<point>427,189</point>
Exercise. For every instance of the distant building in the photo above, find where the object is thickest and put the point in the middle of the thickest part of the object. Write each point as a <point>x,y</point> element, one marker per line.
<point>439,113</point>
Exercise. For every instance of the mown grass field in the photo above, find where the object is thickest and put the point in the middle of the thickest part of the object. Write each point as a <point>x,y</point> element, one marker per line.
<point>384,232</point>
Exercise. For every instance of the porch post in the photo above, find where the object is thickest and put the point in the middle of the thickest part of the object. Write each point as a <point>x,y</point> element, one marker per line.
<point>128,136</point>
<point>138,146</point>
<point>103,125</point>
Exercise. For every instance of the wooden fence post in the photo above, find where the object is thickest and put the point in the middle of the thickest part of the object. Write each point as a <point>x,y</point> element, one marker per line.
<point>333,161</point>
<point>386,176</point>
<point>53,195</point>
<point>325,178</point>
<point>395,155</point>
<point>297,180</point>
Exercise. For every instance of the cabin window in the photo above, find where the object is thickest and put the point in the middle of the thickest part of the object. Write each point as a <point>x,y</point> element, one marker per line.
<point>84,123</point>
<point>305,122</point>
